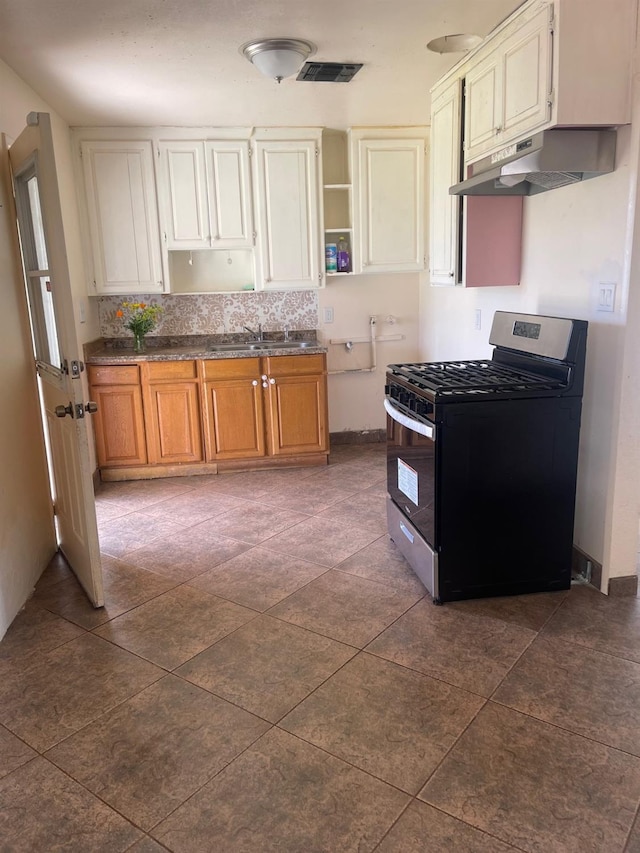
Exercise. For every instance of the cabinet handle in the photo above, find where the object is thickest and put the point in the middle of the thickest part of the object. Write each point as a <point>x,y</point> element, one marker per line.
<point>272,382</point>
<point>254,382</point>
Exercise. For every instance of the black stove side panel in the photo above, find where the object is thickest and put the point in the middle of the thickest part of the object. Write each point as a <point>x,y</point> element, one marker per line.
<point>506,496</point>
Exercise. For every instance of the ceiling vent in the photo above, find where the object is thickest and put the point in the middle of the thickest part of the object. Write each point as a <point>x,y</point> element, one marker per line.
<point>328,72</point>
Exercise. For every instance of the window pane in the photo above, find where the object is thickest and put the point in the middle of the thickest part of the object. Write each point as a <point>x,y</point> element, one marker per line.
<point>38,230</point>
<point>43,320</point>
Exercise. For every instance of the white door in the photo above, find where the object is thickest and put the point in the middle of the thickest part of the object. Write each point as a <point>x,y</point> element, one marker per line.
<point>57,351</point>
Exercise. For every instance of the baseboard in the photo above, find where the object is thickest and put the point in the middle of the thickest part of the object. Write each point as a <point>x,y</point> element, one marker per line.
<point>623,587</point>
<point>365,436</point>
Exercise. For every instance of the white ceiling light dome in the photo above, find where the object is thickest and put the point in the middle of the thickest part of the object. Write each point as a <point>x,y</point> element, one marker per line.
<point>456,43</point>
<point>278,57</point>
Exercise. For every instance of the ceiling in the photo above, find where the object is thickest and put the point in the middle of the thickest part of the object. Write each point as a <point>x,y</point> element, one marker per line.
<point>176,62</point>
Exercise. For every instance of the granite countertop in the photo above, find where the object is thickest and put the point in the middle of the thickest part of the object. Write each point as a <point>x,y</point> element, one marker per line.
<point>120,350</point>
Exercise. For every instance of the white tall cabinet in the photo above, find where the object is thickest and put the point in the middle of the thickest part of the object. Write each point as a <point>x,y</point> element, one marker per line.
<point>445,170</point>
<point>389,203</point>
<point>288,201</point>
<point>122,214</point>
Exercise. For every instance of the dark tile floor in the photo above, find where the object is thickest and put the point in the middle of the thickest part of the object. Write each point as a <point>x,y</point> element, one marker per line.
<point>267,675</point>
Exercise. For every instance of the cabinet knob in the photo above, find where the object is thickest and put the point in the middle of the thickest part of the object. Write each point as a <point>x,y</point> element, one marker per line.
<point>264,376</point>
<point>272,382</point>
<point>498,129</point>
<point>265,384</point>
<point>254,382</point>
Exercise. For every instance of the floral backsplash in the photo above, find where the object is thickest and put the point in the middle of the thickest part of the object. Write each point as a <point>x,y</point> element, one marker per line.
<point>218,313</point>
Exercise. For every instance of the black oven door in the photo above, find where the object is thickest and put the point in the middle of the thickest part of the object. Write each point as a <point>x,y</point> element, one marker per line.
<point>411,468</point>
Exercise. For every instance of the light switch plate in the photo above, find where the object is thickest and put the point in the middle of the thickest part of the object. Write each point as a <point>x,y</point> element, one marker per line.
<point>606,296</point>
<point>328,315</point>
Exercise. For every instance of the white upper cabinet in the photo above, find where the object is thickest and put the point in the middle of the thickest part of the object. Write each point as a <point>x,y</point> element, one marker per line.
<point>288,210</point>
<point>205,193</point>
<point>509,92</point>
<point>544,67</point>
<point>445,171</point>
<point>389,203</point>
<point>120,197</point>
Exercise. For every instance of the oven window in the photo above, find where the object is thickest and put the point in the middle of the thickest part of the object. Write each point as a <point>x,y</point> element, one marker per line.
<point>411,476</point>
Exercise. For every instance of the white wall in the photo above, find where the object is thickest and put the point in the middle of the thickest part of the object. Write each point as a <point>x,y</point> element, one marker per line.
<point>355,399</point>
<point>573,238</point>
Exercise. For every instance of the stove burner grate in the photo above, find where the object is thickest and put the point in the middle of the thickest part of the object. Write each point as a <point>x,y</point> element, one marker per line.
<point>451,378</point>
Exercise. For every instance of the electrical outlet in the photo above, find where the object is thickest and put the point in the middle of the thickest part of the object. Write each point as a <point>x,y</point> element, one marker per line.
<point>328,315</point>
<point>478,320</point>
<point>606,296</point>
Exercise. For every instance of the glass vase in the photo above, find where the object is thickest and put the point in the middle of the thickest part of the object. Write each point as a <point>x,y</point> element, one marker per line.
<point>138,342</point>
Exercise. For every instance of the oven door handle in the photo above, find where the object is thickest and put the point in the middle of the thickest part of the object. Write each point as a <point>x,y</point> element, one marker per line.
<point>416,426</point>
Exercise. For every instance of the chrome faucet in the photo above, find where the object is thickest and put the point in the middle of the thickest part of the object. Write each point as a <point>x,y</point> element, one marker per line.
<point>257,336</point>
<point>287,329</point>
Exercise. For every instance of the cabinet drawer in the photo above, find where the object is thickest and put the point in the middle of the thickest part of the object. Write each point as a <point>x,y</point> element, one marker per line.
<point>170,370</point>
<point>294,365</point>
<point>122,374</point>
<point>231,368</point>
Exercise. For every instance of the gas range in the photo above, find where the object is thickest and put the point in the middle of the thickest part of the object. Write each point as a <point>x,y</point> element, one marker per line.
<point>482,461</point>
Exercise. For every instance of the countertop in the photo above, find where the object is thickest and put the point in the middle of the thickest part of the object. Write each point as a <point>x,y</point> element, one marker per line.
<point>121,352</point>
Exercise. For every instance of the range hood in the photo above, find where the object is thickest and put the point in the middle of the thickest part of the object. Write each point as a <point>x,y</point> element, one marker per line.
<point>548,159</point>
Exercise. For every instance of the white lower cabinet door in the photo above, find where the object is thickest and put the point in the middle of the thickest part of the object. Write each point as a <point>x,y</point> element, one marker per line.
<point>287,191</point>
<point>123,216</point>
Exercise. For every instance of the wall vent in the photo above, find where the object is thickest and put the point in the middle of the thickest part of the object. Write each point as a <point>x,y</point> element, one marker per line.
<point>328,72</point>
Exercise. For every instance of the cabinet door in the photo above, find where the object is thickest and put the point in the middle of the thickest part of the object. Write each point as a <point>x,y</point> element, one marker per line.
<point>183,194</point>
<point>287,190</point>
<point>172,411</point>
<point>483,106</point>
<point>123,216</point>
<point>119,422</point>
<point>445,170</point>
<point>119,425</point>
<point>527,77</point>
<point>389,215</point>
<point>297,415</point>
<point>235,419</point>
<point>229,195</point>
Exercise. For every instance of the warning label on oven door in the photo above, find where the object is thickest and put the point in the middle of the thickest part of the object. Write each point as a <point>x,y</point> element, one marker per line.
<point>408,481</point>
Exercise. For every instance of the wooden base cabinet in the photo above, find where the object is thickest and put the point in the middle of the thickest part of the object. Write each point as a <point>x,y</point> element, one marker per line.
<point>119,421</point>
<point>234,411</point>
<point>296,405</point>
<point>167,418</point>
<point>172,412</point>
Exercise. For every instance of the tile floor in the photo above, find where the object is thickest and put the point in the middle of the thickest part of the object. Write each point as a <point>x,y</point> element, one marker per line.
<point>267,675</point>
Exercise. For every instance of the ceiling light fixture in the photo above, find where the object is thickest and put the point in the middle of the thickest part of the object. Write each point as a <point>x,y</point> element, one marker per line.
<point>278,58</point>
<point>456,43</point>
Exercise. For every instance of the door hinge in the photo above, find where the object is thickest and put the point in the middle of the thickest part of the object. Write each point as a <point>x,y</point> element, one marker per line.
<point>550,98</point>
<point>317,152</point>
<point>250,151</point>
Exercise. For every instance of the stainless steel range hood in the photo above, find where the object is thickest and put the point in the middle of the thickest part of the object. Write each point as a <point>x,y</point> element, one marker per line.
<point>549,159</point>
